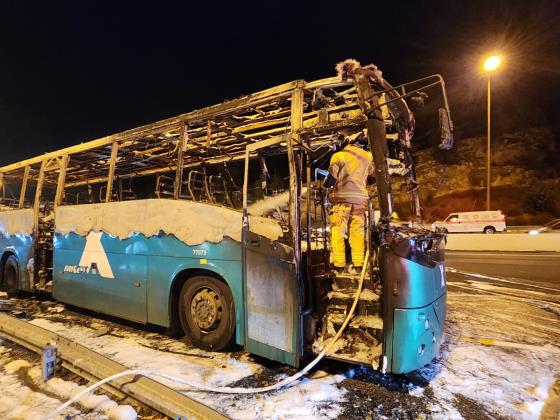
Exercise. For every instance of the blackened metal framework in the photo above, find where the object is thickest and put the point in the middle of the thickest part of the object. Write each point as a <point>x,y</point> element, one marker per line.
<point>211,135</point>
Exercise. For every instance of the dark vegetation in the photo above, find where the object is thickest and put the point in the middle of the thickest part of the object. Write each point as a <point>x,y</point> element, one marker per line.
<point>525,174</point>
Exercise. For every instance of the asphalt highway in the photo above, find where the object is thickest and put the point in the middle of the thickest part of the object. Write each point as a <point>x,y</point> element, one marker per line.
<point>537,269</point>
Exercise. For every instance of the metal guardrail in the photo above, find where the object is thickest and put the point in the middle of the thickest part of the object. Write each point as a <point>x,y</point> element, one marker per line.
<point>94,366</point>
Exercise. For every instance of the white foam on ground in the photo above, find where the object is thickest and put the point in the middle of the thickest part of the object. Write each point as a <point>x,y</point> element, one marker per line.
<point>99,403</point>
<point>19,401</point>
<point>510,382</point>
<point>310,399</point>
<point>313,398</point>
<point>499,380</point>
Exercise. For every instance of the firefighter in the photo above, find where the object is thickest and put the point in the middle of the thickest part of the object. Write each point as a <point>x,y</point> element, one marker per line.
<point>349,170</point>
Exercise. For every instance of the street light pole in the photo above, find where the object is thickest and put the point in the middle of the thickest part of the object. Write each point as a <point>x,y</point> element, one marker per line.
<point>488,150</point>
<point>489,65</point>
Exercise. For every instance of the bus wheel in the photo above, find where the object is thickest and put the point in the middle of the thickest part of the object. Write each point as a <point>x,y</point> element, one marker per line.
<point>11,276</point>
<point>207,313</point>
<point>489,229</point>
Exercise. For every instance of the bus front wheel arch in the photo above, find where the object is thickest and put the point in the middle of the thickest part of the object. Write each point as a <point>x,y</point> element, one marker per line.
<point>206,312</point>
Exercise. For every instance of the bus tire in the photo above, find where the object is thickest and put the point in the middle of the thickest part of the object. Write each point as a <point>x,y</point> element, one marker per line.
<point>10,276</point>
<point>207,313</point>
<point>489,229</point>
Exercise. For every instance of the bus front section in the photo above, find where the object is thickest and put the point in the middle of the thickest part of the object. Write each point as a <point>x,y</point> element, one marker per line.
<point>397,325</point>
<point>411,265</point>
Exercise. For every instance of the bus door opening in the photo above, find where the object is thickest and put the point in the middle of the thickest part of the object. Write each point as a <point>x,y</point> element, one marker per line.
<point>271,290</point>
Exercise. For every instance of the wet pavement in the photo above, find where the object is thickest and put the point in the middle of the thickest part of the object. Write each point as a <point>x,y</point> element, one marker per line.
<point>531,268</point>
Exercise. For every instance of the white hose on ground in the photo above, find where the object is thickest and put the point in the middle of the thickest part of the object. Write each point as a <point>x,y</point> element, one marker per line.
<point>227,390</point>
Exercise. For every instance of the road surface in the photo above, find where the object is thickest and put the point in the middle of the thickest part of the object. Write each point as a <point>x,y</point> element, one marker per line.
<point>536,268</point>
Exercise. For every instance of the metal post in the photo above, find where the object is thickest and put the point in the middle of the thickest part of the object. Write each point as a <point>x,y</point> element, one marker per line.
<point>294,202</point>
<point>488,151</point>
<point>112,163</point>
<point>38,192</point>
<point>246,186</point>
<point>294,206</point>
<point>378,142</point>
<point>183,140</point>
<point>61,180</point>
<point>24,187</point>
<point>308,204</point>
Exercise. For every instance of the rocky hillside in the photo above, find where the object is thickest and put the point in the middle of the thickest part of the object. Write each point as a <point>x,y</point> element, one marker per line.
<point>525,177</point>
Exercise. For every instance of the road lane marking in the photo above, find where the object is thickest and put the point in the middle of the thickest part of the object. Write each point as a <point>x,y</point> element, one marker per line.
<point>513,345</point>
<point>512,254</point>
<point>483,276</point>
<point>549,305</point>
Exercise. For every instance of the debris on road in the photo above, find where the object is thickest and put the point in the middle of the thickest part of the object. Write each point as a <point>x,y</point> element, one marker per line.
<point>5,305</point>
<point>57,309</point>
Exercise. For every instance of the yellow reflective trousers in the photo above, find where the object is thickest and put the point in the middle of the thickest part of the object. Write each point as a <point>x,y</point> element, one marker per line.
<point>348,219</point>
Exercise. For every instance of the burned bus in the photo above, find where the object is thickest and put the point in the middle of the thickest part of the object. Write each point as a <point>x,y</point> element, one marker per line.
<point>214,224</point>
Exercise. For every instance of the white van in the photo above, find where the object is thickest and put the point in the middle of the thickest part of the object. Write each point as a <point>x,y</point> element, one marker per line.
<point>473,221</point>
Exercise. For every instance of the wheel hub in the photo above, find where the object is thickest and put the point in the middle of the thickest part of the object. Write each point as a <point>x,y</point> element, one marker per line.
<point>206,309</point>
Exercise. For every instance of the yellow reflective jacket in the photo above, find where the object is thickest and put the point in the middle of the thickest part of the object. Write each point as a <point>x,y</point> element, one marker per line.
<point>351,167</point>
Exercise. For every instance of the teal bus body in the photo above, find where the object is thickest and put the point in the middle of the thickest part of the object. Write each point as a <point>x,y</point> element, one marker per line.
<point>415,308</point>
<point>417,336</point>
<point>21,246</point>
<point>144,269</point>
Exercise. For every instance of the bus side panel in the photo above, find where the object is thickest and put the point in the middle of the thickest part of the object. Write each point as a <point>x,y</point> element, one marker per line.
<point>417,336</point>
<point>169,257</point>
<point>413,285</point>
<point>142,272</point>
<point>162,271</point>
<point>103,273</point>
<point>72,283</point>
<point>16,227</point>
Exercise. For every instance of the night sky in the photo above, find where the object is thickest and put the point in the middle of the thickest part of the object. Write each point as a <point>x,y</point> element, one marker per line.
<point>75,71</point>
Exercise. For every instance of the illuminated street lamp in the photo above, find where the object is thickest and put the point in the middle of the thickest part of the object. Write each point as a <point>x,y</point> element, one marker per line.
<point>490,65</point>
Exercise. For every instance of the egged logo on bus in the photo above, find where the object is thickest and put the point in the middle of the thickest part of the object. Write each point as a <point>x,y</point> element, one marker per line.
<point>94,259</point>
